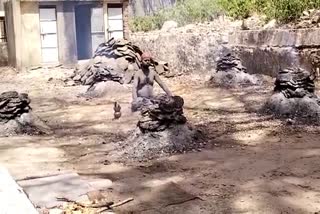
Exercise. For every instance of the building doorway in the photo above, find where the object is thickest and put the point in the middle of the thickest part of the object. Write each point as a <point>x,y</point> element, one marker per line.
<point>89,30</point>
<point>48,34</point>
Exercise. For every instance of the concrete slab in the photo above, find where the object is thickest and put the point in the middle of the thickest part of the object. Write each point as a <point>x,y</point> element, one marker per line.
<point>43,192</point>
<point>12,198</point>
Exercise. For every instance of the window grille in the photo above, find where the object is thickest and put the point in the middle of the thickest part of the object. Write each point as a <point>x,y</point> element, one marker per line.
<point>3,36</point>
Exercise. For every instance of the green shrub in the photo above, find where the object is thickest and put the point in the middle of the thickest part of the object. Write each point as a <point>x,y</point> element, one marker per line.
<point>237,8</point>
<point>285,10</point>
<point>282,10</point>
<point>191,11</point>
<point>184,12</point>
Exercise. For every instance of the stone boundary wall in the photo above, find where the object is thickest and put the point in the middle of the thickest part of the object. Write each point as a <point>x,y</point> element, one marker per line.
<point>261,51</point>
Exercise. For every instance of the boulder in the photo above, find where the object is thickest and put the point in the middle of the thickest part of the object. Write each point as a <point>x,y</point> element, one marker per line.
<point>169,25</point>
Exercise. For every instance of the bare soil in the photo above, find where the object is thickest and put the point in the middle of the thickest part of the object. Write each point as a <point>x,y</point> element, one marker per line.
<point>251,163</point>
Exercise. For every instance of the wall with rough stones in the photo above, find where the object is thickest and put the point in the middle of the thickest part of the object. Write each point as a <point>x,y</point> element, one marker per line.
<point>267,51</point>
<point>193,48</point>
<point>196,48</point>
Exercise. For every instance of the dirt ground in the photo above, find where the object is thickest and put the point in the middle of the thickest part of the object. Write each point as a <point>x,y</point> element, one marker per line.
<point>251,163</point>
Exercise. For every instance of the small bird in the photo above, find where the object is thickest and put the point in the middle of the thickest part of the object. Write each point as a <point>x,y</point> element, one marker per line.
<point>117,111</point>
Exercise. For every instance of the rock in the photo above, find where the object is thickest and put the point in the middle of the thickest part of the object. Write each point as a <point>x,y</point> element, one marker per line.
<point>271,24</point>
<point>169,25</point>
<point>309,19</point>
<point>33,121</point>
<point>254,22</point>
<point>12,127</point>
<point>56,211</point>
<point>95,196</point>
<point>100,184</point>
<point>315,17</point>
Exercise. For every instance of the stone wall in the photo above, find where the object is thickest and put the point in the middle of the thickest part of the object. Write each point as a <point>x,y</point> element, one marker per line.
<point>266,51</point>
<point>3,54</point>
<point>193,48</point>
<point>196,48</point>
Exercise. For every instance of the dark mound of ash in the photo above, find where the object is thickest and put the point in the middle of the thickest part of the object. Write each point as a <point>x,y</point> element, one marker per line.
<point>231,73</point>
<point>16,116</point>
<point>294,96</point>
<point>115,60</point>
<point>162,130</point>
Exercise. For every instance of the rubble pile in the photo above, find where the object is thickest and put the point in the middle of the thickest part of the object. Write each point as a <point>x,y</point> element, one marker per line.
<point>309,19</point>
<point>294,96</point>
<point>161,130</point>
<point>13,105</point>
<point>231,73</point>
<point>115,60</point>
<point>294,83</point>
<point>162,113</point>
<point>313,55</point>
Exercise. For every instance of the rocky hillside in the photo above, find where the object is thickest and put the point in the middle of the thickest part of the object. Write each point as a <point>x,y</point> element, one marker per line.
<point>146,7</point>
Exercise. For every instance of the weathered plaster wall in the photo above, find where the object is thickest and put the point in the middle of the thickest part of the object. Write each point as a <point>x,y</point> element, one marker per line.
<point>31,45</point>
<point>1,7</point>
<point>262,52</point>
<point>13,28</point>
<point>266,51</point>
<point>67,34</point>
<point>3,54</point>
<point>276,38</point>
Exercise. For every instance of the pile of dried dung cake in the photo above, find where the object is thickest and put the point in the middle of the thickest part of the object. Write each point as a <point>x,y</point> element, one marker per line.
<point>16,116</point>
<point>161,130</point>
<point>231,73</point>
<point>13,105</point>
<point>163,112</point>
<point>294,96</point>
<point>294,83</point>
<point>115,60</point>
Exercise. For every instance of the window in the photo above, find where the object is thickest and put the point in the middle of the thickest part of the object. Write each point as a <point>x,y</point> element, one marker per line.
<point>115,21</point>
<point>3,37</point>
